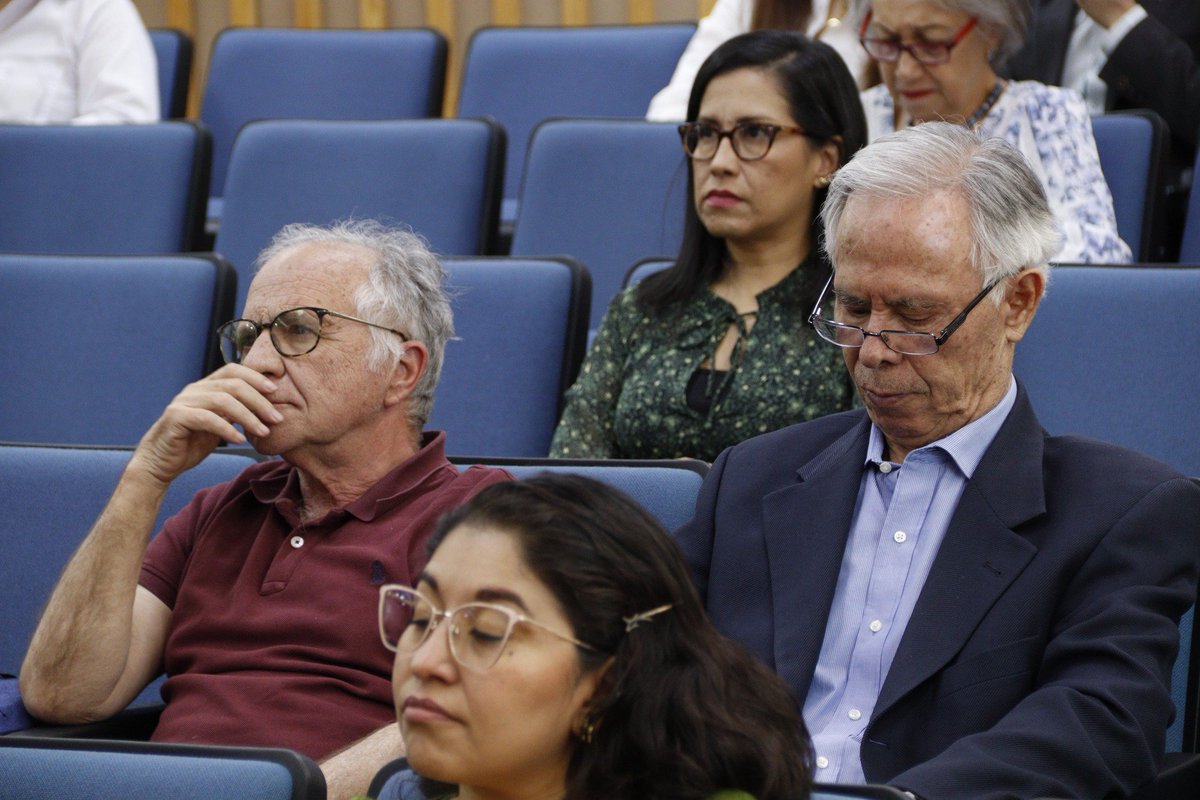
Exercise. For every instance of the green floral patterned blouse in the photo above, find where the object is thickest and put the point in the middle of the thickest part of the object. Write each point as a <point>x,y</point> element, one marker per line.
<point>629,400</point>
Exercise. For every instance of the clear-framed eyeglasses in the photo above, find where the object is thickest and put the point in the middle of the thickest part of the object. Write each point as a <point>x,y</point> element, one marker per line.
<point>478,632</point>
<point>909,343</point>
<point>929,53</point>
<point>294,332</point>
<point>751,140</point>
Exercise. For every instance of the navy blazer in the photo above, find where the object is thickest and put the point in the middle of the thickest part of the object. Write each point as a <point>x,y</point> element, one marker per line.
<point>1037,660</point>
<point>1156,65</point>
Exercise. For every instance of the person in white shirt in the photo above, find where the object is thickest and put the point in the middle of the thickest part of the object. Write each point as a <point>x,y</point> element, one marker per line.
<point>831,21</point>
<point>76,62</point>
<point>1121,54</point>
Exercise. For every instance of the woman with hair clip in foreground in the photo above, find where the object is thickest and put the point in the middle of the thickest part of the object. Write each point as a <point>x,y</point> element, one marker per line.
<point>555,647</point>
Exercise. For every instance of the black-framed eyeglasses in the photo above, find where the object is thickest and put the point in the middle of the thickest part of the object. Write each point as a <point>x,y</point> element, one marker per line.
<point>926,52</point>
<point>909,343</point>
<point>294,332</point>
<point>478,632</point>
<point>751,140</point>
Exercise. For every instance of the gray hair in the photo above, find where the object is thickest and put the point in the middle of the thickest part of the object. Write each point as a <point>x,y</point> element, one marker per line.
<point>1011,225</point>
<point>1008,20</point>
<point>404,289</point>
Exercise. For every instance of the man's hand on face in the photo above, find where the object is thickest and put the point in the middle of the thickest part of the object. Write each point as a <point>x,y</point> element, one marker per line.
<point>204,414</point>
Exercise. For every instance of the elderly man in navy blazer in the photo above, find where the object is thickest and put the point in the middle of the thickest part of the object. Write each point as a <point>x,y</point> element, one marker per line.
<point>963,605</point>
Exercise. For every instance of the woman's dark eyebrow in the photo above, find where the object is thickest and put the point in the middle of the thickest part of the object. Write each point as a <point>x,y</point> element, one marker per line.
<point>493,595</point>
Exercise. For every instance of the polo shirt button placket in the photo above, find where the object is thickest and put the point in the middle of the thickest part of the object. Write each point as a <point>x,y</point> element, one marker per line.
<point>297,541</point>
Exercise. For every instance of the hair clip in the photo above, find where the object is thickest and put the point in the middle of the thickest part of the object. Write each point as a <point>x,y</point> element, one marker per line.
<point>645,616</point>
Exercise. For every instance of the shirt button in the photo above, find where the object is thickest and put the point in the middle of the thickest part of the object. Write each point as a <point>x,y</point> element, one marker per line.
<point>822,762</point>
<point>885,467</point>
<point>297,541</point>
<point>900,536</point>
<point>876,626</point>
<point>854,714</point>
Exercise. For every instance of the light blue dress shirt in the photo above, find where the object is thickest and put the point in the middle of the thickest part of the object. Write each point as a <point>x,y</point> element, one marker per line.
<point>900,519</point>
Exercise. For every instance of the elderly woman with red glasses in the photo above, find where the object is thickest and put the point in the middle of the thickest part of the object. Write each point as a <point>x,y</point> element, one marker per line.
<point>938,60</point>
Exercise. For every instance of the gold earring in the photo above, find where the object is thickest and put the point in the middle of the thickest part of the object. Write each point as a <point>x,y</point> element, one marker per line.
<point>823,181</point>
<point>585,728</point>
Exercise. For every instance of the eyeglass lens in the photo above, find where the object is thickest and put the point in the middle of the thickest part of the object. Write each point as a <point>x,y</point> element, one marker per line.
<point>293,333</point>
<point>929,53</point>
<point>751,140</point>
<point>888,50</point>
<point>910,343</point>
<point>478,633</point>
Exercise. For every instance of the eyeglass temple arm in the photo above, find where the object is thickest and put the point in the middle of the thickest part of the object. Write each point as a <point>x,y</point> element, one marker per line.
<point>816,312</point>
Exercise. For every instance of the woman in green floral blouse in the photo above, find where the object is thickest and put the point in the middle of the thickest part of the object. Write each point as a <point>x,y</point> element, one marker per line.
<point>717,348</point>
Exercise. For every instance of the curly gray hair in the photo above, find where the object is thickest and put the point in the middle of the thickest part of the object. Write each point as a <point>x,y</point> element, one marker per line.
<point>404,289</point>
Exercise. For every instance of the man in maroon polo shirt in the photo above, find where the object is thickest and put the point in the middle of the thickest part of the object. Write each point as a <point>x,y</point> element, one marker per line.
<point>258,599</point>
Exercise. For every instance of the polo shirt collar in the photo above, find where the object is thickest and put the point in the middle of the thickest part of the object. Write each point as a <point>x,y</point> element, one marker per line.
<point>281,488</point>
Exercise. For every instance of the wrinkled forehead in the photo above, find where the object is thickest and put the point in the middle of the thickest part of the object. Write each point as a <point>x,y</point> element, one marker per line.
<point>922,239</point>
<point>309,274</point>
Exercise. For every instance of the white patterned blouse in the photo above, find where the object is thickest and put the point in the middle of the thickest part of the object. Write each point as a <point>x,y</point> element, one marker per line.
<point>1051,127</point>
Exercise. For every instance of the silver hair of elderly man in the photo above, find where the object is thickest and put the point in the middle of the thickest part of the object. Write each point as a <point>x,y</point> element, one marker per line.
<point>405,289</point>
<point>1012,227</point>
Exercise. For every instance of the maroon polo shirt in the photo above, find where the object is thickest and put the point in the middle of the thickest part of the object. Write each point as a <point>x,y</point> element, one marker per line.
<point>273,638</point>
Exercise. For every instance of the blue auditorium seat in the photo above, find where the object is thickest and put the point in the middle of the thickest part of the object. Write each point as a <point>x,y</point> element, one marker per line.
<point>441,177</point>
<point>521,76</point>
<point>173,50</point>
<point>94,348</point>
<point>51,496</point>
<point>605,192</point>
<point>103,189</point>
<point>1132,146</point>
<point>277,73</point>
<point>51,769</point>
<point>520,326</point>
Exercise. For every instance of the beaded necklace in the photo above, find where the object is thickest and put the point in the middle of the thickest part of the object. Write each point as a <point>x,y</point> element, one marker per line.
<point>986,106</point>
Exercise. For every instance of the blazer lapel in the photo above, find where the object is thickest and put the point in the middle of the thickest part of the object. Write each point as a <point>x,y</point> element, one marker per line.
<point>979,557</point>
<point>805,527</point>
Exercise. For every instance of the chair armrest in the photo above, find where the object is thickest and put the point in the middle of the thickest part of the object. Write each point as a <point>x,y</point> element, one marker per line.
<point>133,724</point>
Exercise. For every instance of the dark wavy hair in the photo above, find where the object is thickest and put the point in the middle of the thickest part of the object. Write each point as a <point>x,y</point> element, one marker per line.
<point>823,99</point>
<point>682,711</point>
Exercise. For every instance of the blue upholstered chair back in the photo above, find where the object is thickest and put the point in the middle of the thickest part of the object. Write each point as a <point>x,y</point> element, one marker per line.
<point>173,50</point>
<point>439,177</point>
<point>51,769</point>
<point>95,347</point>
<point>606,192</point>
<point>521,76</point>
<point>51,496</point>
<point>1132,147</point>
<point>520,328</point>
<point>273,73</point>
<point>102,189</point>
<point>1101,360</point>
<point>667,488</point>
<point>644,268</point>
<point>396,781</point>
<point>1189,249</point>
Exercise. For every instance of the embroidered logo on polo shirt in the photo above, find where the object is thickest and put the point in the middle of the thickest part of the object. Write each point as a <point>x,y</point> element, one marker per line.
<point>378,576</point>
